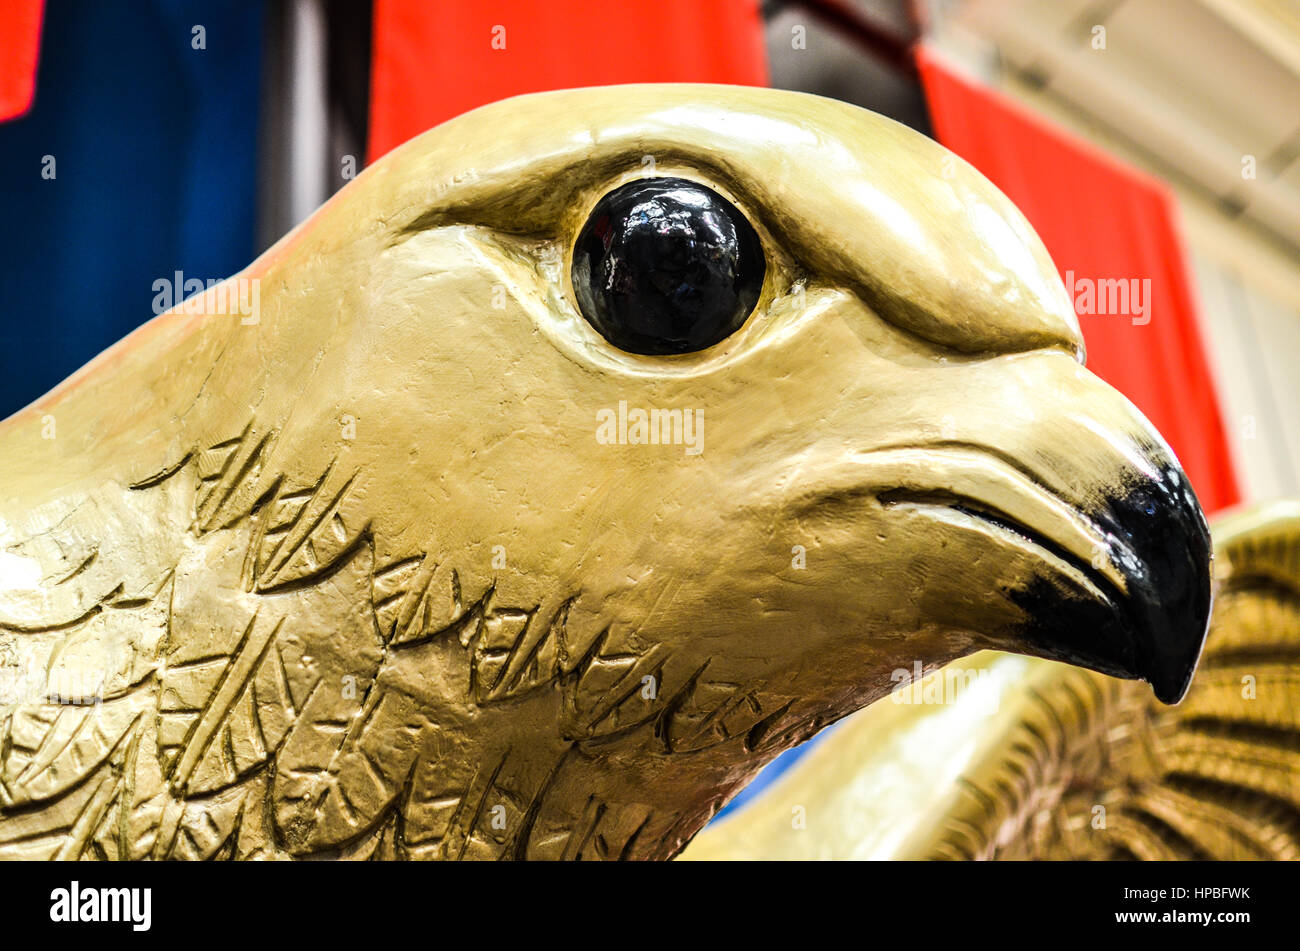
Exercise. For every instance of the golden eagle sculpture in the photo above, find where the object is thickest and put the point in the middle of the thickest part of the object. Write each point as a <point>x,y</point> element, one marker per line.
<point>576,459</point>
<point>1033,759</point>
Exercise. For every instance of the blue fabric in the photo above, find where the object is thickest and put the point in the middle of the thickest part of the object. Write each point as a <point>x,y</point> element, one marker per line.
<point>155,145</point>
<point>767,775</point>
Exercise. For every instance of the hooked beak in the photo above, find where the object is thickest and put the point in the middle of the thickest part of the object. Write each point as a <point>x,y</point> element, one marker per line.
<point>1153,630</point>
<point>1082,489</point>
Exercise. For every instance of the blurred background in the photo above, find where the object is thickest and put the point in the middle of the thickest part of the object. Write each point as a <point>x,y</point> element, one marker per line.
<point>151,147</point>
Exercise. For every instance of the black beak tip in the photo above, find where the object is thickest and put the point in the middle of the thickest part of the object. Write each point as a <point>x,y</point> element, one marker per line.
<point>1170,676</point>
<point>1171,690</point>
<point>1160,528</point>
<point>1155,631</point>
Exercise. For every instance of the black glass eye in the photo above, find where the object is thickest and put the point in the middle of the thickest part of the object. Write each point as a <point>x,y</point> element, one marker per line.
<point>665,265</point>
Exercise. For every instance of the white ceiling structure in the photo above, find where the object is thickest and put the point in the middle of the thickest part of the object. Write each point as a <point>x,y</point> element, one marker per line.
<point>1186,88</point>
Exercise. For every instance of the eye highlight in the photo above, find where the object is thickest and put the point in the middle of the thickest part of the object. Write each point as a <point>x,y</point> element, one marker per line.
<point>666,266</point>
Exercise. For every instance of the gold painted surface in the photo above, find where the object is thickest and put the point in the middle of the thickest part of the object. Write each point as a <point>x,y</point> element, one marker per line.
<point>350,575</point>
<point>1028,758</point>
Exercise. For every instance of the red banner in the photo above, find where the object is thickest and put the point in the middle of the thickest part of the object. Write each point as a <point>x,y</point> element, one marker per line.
<point>20,43</point>
<point>1112,232</point>
<point>434,59</point>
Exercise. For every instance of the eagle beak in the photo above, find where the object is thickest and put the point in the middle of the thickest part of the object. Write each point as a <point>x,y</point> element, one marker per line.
<point>1133,540</point>
<point>1054,497</point>
<point>1158,539</point>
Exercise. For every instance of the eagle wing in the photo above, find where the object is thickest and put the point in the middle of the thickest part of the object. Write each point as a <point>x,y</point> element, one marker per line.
<point>1216,777</point>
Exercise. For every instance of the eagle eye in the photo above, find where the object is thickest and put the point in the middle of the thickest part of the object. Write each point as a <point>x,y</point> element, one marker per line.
<point>666,265</point>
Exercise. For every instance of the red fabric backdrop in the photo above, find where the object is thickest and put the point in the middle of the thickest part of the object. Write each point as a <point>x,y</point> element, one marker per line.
<point>1102,221</point>
<point>434,59</point>
<point>20,42</point>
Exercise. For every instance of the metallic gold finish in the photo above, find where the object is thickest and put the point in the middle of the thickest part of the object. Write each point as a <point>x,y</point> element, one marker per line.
<point>1034,759</point>
<point>384,567</point>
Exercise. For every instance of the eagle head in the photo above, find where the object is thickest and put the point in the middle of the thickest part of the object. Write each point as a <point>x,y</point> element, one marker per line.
<point>673,422</point>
